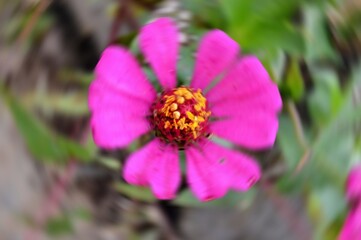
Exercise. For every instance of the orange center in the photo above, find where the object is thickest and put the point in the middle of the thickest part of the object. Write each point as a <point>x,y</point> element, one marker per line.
<point>180,115</point>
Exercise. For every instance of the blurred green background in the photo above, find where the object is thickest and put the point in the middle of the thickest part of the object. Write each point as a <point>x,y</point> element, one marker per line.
<point>56,184</point>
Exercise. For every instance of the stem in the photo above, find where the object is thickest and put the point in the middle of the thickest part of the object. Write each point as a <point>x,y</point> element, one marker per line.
<point>296,120</point>
<point>40,8</point>
<point>297,124</point>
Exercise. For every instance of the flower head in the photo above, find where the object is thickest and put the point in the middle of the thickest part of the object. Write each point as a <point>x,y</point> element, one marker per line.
<point>230,97</point>
<point>352,225</point>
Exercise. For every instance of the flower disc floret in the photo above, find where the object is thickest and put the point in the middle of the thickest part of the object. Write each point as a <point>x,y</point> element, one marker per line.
<point>180,115</point>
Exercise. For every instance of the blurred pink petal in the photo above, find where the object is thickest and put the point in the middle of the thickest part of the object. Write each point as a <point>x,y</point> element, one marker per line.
<point>352,227</point>
<point>254,130</point>
<point>216,53</point>
<point>160,43</point>
<point>245,105</point>
<point>212,170</point>
<point>117,118</point>
<point>157,165</point>
<point>119,70</point>
<point>353,188</point>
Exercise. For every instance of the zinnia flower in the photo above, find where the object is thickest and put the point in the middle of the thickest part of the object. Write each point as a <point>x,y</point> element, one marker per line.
<point>352,227</point>
<point>353,185</point>
<point>229,97</point>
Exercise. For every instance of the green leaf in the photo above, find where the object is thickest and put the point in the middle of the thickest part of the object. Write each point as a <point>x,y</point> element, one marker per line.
<point>187,199</point>
<point>317,41</point>
<point>75,150</point>
<point>185,65</point>
<point>325,206</point>
<point>265,24</point>
<point>270,35</point>
<point>207,12</point>
<point>247,11</point>
<point>294,81</point>
<point>81,213</point>
<point>59,226</point>
<point>41,141</point>
<point>71,104</point>
<point>135,192</point>
<point>274,61</point>
<point>287,139</point>
<point>79,77</point>
<point>110,163</point>
<point>326,98</point>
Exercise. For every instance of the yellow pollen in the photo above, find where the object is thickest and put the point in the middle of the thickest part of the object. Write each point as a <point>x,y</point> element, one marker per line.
<point>170,99</point>
<point>173,106</point>
<point>167,125</point>
<point>176,115</point>
<point>180,100</point>
<point>182,123</point>
<point>197,107</point>
<point>190,115</point>
<point>188,95</point>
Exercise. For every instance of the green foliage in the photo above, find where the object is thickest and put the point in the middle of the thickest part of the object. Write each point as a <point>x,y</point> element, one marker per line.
<point>59,226</point>
<point>138,193</point>
<point>293,85</point>
<point>207,12</point>
<point>287,140</point>
<point>259,24</point>
<point>318,46</point>
<point>110,163</point>
<point>185,65</point>
<point>16,26</point>
<point>41,141</point>
<point>63,224</point>
<point>326,98</point>
<point>187,199</point>
<point>325,206</point>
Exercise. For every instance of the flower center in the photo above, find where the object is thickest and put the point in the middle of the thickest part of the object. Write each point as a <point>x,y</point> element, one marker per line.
<point>180,115</point>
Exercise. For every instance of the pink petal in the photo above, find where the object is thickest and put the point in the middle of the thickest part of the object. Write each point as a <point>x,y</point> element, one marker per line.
<point>247,81</point>
<point>119,69</point>
<point>216,53</point>
<point>353,188</point>
<point>245,104</point>
<point>156,165</point>
<point>352,227</point>
<point>159,43</point>
<point>254,130</point>
<point>117,118</point>
<point>212,170</point>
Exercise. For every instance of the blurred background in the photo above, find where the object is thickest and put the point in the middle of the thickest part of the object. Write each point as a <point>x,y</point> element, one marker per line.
<point>56,184</point>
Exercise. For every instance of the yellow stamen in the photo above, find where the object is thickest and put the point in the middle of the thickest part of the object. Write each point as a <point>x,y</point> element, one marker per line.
<point>197,107</point>
<point>173,107</point>
<point>176,115</point>
<point>180,100</point>
<point>190,115</point>
<point>167,125</point>
<point>182,123</point>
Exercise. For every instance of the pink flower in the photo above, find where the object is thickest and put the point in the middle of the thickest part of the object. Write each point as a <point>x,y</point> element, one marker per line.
<point>241,107</point>
<point>353,185</point>
<point>352,227</point>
